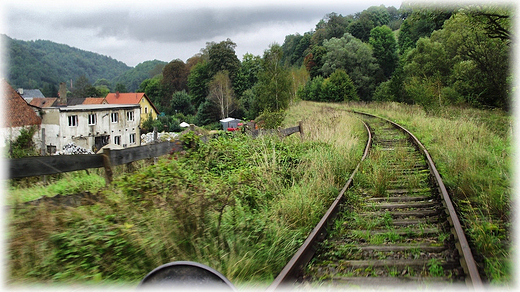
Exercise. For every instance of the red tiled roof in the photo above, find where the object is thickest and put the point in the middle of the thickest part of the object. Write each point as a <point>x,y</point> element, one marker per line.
<point>17,112</point>
<point>128,98</point>
<point>94,100</point>
<point>125,98</point>
<point>43,102</point>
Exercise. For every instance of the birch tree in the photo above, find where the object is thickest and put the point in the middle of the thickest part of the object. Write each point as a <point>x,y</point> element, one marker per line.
<point>221,93</point>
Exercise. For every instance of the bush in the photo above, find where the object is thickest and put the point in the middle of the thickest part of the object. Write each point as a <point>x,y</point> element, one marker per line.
<point>239,205</point>
<point>24,145</point>
<point>271,120</point>
<point>339,87</point>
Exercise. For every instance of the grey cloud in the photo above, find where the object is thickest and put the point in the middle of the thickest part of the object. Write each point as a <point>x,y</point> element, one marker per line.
<point>171,25</point>
<point>202,24</point>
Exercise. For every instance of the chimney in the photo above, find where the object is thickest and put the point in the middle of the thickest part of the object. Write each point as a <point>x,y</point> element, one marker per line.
<point>20,91</point>
<point>62,93</point>
<point>117,94</point>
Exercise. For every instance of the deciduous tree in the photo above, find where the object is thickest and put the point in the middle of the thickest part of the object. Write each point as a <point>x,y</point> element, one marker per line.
<point>221,94</point>
<point>274,81</point>
<point>175,78</point>
<point>356,58</point>
<point>181,103</point>
<point>314,60</point>
<point>384,48</point>
<point>222,57</point>
<point>247,75</point>
<point>198,81</point>
<point>338,87</point>
<point>153,89</point>
<point>120,87</point>
<point>83,88</point>
<point>485,58</point>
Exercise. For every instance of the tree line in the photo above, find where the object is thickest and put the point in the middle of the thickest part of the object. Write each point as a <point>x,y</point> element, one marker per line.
<point>427,55</point>
<point>214,84</point>
<point>431,56</point>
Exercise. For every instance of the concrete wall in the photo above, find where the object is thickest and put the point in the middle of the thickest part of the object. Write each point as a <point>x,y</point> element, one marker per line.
<point>59,133</point>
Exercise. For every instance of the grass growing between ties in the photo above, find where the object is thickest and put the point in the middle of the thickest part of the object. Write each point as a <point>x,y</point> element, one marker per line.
<point>472,150</point>
<point>239,205</point>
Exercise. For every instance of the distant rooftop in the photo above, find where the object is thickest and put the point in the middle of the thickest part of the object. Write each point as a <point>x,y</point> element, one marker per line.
<point>30,93</point>
<point>17,112</point>
<point>90,107</point>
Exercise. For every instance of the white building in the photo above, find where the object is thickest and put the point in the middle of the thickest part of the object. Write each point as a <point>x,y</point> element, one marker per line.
<point>92,126</point>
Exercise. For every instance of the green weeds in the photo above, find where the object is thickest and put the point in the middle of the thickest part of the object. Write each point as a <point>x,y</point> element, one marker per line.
<point>71,183</point>
<point>472,150</point>
<point>239,205</point>
<point>435,268</point>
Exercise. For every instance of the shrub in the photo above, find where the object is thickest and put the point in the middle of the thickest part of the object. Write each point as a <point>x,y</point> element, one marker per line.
<point>271,120</point>
<point>23,145</point>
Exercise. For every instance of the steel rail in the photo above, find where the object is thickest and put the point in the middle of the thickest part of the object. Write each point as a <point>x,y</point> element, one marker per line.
<point>467,261</point>
<point>305,253</point>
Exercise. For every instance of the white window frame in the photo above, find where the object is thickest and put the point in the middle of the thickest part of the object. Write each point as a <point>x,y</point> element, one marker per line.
<point>117,140</point>
<point>92,119</point>
<point>114,117</point>
<point>130,115</point>
<point>132,138</point>
<point>73,120</point>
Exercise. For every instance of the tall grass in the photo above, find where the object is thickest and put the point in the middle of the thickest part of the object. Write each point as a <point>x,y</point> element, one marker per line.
<point>472,150</point>
<point>240,205</point>
<point>70,183</point>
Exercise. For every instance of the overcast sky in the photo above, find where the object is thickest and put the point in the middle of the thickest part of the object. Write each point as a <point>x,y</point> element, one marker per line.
<point>137,31</point>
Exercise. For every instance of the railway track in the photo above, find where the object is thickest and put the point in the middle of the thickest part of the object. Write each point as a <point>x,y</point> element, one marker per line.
<point>392,224</point>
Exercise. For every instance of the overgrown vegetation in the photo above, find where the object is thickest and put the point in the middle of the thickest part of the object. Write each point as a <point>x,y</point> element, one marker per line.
<point>472,150</point>
<point>245,197</point>
<point>240,205</point>
<point>432,55</point>
<point>23,145</point>
<point>28,189</point>
<point>253,201</point>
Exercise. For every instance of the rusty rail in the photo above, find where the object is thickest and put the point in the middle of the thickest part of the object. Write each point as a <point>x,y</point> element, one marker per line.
<point>466,256</point>
<point>307,250</point>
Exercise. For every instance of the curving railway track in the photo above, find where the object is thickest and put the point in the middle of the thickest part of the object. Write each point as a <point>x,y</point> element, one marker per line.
<point>392,224</point>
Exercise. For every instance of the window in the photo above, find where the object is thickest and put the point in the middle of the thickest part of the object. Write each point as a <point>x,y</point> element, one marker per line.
<point>92,119</point>
<point>114,117</point>
<point>132,138</point>
<point>145,109</point>
<point>117,140</point>
<point>73,121</point>
<point>130,115</point>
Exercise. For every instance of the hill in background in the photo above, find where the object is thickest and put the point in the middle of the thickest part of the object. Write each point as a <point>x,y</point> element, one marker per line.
<point>44,64</point>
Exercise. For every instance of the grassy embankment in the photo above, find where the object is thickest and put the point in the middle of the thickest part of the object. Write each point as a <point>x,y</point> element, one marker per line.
<point>472,150</point>
<point>239,205</point>
<point>245,205</point>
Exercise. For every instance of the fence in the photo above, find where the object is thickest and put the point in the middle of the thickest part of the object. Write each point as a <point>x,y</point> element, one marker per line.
<point>281,132</point>
<point>46,165</point>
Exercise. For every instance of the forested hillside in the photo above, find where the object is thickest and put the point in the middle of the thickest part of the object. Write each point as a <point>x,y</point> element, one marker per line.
<point>427,55</point>
<point>133,77</point>
<point>417,54</point>
<point>44,64</point>
<point>433,56</point>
